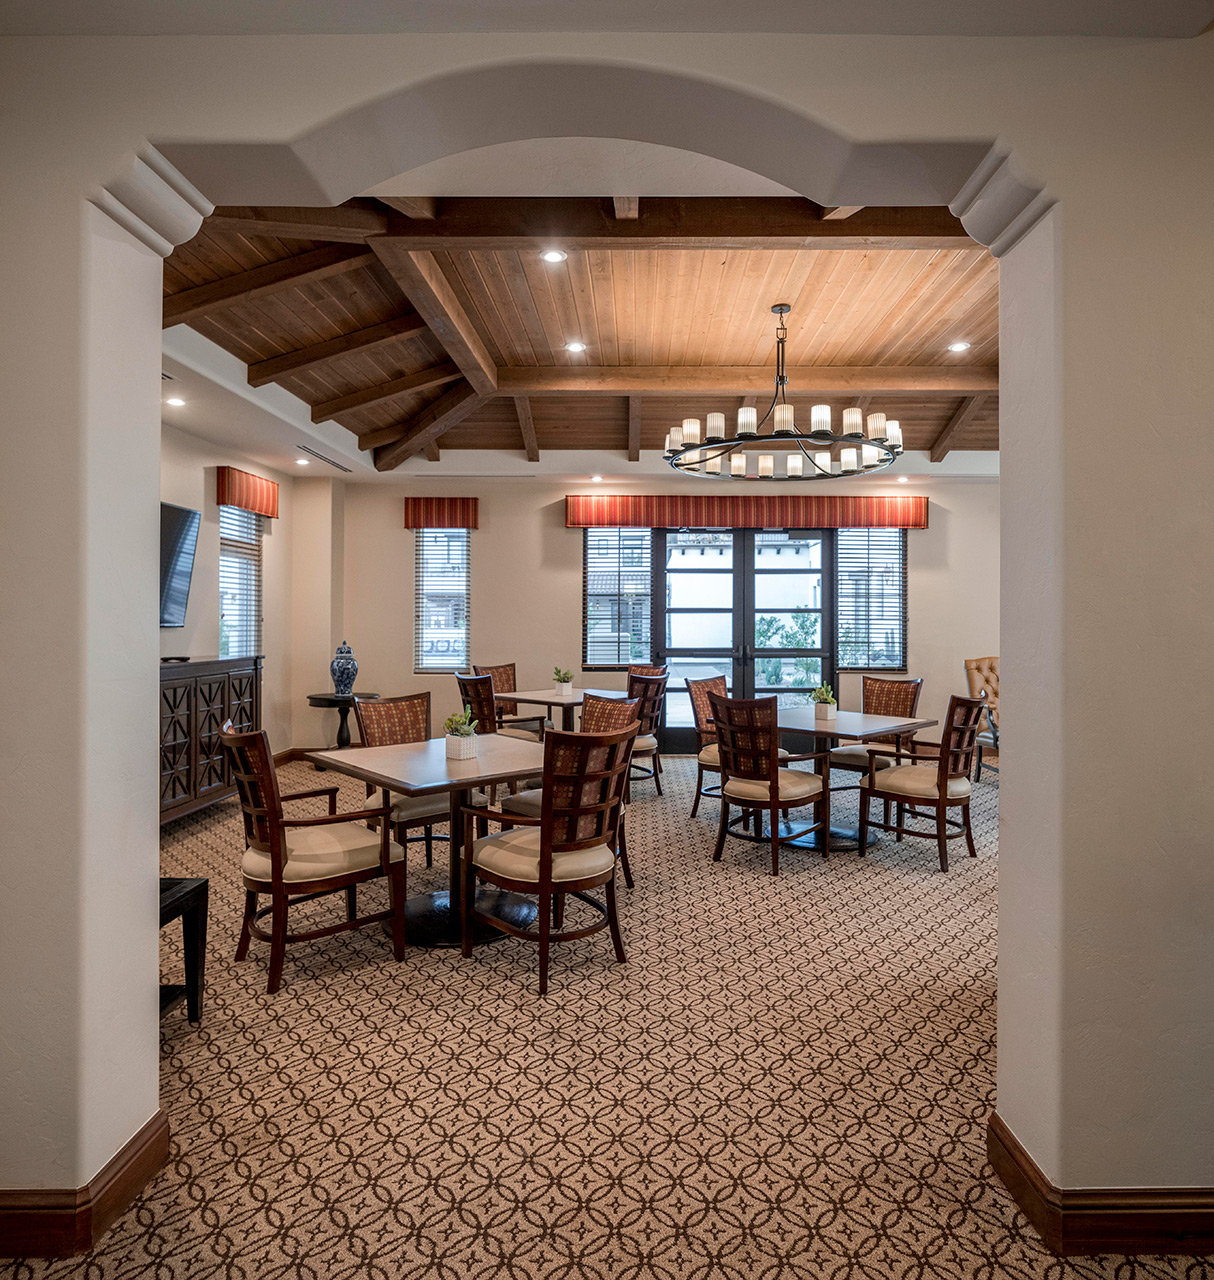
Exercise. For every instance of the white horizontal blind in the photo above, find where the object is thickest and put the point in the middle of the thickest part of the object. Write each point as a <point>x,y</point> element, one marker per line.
<point>442,600</point>
<point>239,583</point>
<point>872,599</point>
<point>616,589</point>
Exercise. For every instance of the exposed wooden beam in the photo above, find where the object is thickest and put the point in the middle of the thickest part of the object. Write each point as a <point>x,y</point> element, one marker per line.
<point>526,426</point>
<point>634,428</point>
<point>956,424</point>
<point>423,283</point>
<point>319,354</point>
<point>288,273</point>
<point>838,212</point>
<point>435,376</point>
<point>741,222</point>
<point>429,425</point>
<point>627,206</point>
<point>432,452</point>
<point>805,380</point>
<point>352,225</point>
<point>411,206</point>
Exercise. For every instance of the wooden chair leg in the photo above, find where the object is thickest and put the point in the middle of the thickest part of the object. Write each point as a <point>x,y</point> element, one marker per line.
<point>885,812</point>
<point>775,841</point>
<point>823,815</point>
<point>862,834</point>
<point>558,910</point>
<point>250,910</point>
<point>613,919</point>
<point>623,852</point>
<point>657,771</point>
<point>899,819</point>
<point>969,832</point>
<point>942,837</point>
<point>278,943</point>
<point>545,923</point>
<point>351,902</point>
<point>695,804</point>
<point>396,900</point>
<point>429,836</point>
<point>466,889</point>
<point>722,831</point>
<point>978,769</point>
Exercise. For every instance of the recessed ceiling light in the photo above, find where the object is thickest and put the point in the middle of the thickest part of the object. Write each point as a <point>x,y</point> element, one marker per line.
<point>303,462</point>
<point>175,400</point>
<point>903,479</point>
<point>554,255</point>
<point>958,346</point>
<point>575,346</point>
<point>597,479</point>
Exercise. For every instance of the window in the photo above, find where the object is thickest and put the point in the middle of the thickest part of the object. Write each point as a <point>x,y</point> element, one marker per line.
<point>442,588</point>
<point>239,583</point>
<point>615,598</point>
<point>872,599</point>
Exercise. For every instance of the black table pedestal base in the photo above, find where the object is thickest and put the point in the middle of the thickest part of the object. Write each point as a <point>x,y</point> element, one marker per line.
<point>431,922</point>
<point>842,839</point>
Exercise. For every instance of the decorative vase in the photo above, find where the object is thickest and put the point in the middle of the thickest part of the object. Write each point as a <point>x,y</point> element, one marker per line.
<point>461,748</point>
<point>825,710</point>
<point>343,669</point>
<point>566,688</point>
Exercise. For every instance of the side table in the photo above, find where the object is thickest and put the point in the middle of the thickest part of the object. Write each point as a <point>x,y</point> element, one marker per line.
<point>187,899</point>
<point>343,705</point>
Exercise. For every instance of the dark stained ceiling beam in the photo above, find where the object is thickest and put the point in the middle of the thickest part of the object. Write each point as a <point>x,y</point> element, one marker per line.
<point>526,426</point>
<point>634,428</point>
<point>351,224</point>
<point>956,424</point>
<point>627,206</point>
<point>839,212</point>
<point>673,380</point>
<point>428,426</point>
<point>288,273</point>
<point>411,206</point>
<point>317,356</point>
<point>435,376</point>
<point>667,222</point>
<point>432,452</point>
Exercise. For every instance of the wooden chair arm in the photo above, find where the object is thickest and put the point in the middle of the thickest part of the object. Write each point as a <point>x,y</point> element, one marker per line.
<point>515,721</point>
<point>501,815</point>
<point>809,755</point>
<point>331,792</point>
<point>354,816</point>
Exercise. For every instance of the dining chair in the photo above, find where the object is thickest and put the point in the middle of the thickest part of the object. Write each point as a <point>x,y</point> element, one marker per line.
<point>982,676</point>
<point>571,848</point>
<point>477,692</point>
<point>294,860</point>
<point>880,696</point>
<point>649,691</point>
<point>646,671</point>
<point>754,780</point>
<point>392,722</point>
<point>505,681</point>
<point>938,787</point>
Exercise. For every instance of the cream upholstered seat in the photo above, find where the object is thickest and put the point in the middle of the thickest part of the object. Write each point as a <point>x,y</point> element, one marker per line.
<point>526,735</point>
<point>413,808</point>
<point>516,854</point>
<point>793,784</point>
<point>856,757</point>
<point>646,742</point>
<point>710,757</point>
<point>919,780</point>
<point>315,853</point>
<point>529,802</point>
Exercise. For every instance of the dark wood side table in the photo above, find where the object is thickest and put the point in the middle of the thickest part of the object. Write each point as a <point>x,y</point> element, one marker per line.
<point>343,706</point>
<point>187,899</point>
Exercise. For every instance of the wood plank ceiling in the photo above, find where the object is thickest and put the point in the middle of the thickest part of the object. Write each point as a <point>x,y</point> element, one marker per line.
<point>449,330</point>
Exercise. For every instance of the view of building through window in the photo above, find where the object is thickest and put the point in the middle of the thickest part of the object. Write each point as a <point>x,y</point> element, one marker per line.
<point>239,583</point>
<point>442,584</point>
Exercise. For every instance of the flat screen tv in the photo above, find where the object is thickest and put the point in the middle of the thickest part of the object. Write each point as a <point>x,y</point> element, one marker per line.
<point>178,538</point>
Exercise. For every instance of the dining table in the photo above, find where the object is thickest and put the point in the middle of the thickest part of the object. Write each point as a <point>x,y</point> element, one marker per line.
<point>423,769</point>
<point>555,698</point>
<point>846,726</point>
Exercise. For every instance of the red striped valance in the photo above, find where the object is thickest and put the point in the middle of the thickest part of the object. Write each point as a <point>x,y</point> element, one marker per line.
<point>744,511</point>
<point>441,513</point>
<point>248,492</point>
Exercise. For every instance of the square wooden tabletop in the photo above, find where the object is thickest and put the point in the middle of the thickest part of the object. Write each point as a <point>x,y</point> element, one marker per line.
<point>422,768</point>
<point>850,726</point>
<point>553,698</point>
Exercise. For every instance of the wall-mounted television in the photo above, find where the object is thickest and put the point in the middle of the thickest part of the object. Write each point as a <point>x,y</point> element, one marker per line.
<point>178,538</point>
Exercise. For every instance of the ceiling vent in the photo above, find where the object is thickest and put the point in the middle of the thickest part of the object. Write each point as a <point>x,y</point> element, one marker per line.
<point>321,457</point>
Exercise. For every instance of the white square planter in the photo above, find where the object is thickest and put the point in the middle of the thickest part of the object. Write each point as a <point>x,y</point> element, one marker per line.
<point>461,748</point>
<point>825,710</point>
<point>566,689</point>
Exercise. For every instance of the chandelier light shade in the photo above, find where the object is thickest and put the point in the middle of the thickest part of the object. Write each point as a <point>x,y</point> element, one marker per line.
<point>861,445</point>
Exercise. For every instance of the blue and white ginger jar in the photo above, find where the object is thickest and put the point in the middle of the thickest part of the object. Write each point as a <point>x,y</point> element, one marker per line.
<point>343,669</point>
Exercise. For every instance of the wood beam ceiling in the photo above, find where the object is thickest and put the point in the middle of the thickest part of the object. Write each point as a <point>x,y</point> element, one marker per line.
<point>634,428</point>
<point>435,376</point>
<point>674,380</point>
<point>352,224</point>
<point>412,206</point>
<point>317,356</point>
<point>837,213</point>
<point>526,426</point>
<point>427,426</point>
<point>769,222</point>
<point>627,206</point>
<point>956,424</point>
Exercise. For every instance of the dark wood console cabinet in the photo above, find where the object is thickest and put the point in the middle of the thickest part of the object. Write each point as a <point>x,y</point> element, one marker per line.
<point>196,697</point>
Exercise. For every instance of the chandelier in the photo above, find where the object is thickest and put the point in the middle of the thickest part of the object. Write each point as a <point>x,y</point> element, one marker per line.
<point>783,452</point>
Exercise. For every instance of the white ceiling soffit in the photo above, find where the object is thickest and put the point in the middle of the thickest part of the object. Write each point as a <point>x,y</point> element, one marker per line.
<point>579,167</point>
<point>814,17</point>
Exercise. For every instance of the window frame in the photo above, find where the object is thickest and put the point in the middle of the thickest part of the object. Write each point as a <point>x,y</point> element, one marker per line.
<point>902,669</point>
<point>647,612</point>
<point>422,539</point>
<point>250,551</point>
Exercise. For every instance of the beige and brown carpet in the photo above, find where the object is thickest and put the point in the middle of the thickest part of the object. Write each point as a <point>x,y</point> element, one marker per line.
<point>789,1078</point>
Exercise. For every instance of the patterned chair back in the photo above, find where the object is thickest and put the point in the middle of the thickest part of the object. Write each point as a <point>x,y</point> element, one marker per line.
<point>649,691</point>
<point>257,786</point>
<point>698,691</point>
<point>477,692</point>
<point>646,671</point>
<point>585,775</point>
<point>882,697</point>
<point>608,715</point>
<point>747,736</point>
<point>959,740</point>
<point>391,722</point>
<point>504,681</point>
<point>982,675</point>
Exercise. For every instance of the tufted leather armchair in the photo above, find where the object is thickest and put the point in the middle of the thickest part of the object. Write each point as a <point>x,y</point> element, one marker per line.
<point>983,677</point>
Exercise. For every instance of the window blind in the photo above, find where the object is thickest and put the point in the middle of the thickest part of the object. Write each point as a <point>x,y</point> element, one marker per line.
<point>871,571</point>
<point>239,582</point>
<point>442,599</point>
<point>616,587</point>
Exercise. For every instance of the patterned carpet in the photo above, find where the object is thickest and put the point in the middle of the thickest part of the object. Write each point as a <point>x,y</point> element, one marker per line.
<point>790,1078</point>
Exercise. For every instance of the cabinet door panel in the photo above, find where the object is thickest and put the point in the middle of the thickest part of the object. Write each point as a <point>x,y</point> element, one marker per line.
<point>176,736</point>
<point>212,711</point>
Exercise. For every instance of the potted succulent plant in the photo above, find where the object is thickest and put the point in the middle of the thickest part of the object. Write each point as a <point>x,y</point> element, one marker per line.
<point>461,735</point>
<point>825,706</point>
<point>564,680</point>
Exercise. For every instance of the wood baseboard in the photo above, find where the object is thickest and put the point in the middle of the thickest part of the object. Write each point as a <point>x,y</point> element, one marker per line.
<point>55,1223</point>
<point>1075,1222</point>
<point>291,754</point>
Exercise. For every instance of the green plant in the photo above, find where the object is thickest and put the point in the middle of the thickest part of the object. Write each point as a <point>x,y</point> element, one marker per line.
<point>561,676</point>
<point>823,693</point>
<point>461,725</point>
